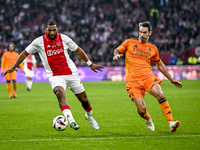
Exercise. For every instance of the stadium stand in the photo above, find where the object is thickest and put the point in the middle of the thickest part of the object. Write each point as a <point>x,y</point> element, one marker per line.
<point>100,26</point>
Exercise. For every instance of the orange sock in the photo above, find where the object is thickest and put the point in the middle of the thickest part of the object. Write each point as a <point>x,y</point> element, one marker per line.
<point>166,110</point>
<point>8,86</point>
<point>145,115</point>
<point>14,87</point>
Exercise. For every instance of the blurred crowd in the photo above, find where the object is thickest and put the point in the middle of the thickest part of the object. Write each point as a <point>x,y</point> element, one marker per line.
<point>99,26</point>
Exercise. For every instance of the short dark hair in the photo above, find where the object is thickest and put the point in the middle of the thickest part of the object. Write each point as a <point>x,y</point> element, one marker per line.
<point>51,22</point>
<point>146,24</point>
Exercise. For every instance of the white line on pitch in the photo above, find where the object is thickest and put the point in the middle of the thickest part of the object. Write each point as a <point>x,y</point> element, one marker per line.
<point>101,138</point>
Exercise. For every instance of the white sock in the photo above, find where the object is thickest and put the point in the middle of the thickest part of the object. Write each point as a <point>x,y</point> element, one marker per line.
<point>68,114</point>
<point>29,83</point>
<point>89,113</point>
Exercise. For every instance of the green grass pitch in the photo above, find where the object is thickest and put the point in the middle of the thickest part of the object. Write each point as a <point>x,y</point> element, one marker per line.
<point>26,121</point>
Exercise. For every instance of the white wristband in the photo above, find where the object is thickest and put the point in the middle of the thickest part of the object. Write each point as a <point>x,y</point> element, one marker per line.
<point>88,62</point>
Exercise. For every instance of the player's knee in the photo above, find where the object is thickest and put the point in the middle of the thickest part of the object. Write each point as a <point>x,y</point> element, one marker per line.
<point>142,110</point>
<point>82,97</point>
<point>58,92</point>
<point>159,95</point>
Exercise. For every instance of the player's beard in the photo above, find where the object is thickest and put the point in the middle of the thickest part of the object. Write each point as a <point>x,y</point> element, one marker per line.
<point>52,38</point>
<point>144,40</point>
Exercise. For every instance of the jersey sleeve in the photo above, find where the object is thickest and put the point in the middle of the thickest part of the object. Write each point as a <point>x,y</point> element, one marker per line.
<point>3,63</point>
<point>32,48</point>
<point>156,57</point>
<point>123,47</point>
<point>69,42</point>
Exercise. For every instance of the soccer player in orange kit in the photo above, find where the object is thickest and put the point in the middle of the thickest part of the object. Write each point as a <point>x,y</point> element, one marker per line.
<point>140,78</point>
<point>7,61</point>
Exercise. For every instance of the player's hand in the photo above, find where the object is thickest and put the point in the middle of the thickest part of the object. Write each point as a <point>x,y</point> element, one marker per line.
<point>177,83</point>
<point>9,71</point>
<point>95,67</point>
<point>117,56</point>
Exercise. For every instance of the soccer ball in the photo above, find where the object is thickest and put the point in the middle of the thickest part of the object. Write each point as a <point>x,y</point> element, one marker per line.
<point>60,123</point>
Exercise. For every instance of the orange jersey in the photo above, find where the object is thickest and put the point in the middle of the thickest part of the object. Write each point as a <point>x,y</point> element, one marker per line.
<point>8,59</point>
<point>137,60</point>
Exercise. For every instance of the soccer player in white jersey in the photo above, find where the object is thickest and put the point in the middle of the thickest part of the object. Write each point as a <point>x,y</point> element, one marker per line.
<point>60,69</point>
<point>30,64</point>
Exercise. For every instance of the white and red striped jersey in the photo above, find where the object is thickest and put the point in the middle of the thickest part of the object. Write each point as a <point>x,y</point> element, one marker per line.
<point>29,61</point>
<point>54,54</point>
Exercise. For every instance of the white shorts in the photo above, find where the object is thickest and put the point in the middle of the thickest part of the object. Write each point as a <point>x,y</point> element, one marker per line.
<point>72,82</point>
<point>29,73</point>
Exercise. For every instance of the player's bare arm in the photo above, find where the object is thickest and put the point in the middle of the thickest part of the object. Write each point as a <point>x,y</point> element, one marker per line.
<point>83,55</point>
<point>161,66</point>
<point>117,54</point>
<point>20,59</point>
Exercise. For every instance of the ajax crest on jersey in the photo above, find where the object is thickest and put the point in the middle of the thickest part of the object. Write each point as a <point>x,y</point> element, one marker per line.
<point>60,123</point>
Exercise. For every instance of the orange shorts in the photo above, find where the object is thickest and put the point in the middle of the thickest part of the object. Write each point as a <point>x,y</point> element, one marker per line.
<point>10,76</point>
<point>137,88</point>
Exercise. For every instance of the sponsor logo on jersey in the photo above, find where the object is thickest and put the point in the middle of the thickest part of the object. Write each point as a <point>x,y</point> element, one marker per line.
<point>58,43</point>
<point>54,52</point>
<point>150,49</point>
<point>135,46</point>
